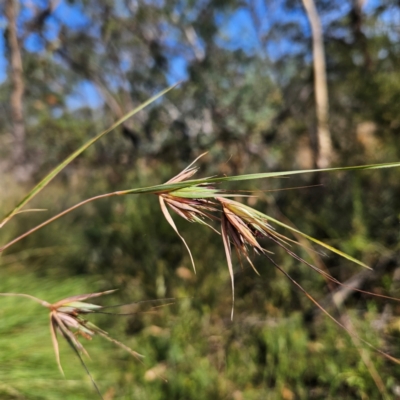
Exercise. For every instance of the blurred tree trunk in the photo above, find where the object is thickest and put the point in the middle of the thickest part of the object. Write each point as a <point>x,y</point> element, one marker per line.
<point>17,86</point>
<point>324,151</point>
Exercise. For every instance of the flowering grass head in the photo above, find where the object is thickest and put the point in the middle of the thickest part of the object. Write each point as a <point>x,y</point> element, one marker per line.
<point>193,203</point>
<point>67,319</point>
<point>241,226</point>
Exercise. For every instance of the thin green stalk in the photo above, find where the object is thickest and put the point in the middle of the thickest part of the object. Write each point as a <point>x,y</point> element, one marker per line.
<point>170,187</point>
<point>48,178</point>
<point>28,296</point>
<point>43,224</point>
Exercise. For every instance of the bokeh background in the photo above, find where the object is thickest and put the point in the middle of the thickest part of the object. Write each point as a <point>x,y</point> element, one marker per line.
<point>248,99</point>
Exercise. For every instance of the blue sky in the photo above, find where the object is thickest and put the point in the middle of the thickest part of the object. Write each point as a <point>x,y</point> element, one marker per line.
<point>236,32</point>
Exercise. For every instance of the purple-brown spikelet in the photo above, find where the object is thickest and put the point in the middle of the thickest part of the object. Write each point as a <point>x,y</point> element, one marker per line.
<point>193,203</point>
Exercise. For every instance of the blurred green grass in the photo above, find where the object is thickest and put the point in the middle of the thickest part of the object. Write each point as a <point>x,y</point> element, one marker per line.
<point>27,363</point>
<point>199,351</point>
<point>275,348</point>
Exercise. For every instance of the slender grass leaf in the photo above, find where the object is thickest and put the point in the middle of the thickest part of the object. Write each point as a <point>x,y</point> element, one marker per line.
<point>169,187</point>
<point>46,180</point>
<point>105,335</point>
<point>333,249</point>
<point>304,171</point>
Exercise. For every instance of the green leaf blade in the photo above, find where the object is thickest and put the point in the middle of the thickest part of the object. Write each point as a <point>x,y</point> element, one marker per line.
<point>322,244</point>
<point>49,177</point>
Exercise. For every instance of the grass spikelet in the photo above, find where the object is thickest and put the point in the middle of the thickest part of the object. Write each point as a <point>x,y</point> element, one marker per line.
<point>67,320</point>
<point>191,203</point>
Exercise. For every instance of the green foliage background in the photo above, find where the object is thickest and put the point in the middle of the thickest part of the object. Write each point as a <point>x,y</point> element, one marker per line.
<point>253,111</point>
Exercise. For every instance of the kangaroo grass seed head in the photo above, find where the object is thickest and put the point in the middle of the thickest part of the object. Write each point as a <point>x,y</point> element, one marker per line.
<point>241,225</point>
<point>191,209</point>
<point>67,320</point>
<point>193,203</point>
